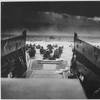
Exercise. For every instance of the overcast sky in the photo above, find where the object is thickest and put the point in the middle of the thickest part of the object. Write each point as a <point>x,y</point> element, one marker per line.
<point>75,8</point>
<point>17,14</point>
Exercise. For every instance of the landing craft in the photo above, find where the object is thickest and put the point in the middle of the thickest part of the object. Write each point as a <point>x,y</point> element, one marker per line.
<point>49,79</point>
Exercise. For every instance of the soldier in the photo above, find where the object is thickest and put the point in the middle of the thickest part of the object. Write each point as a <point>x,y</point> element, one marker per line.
<point>56,54</point>
<point>41,50</point>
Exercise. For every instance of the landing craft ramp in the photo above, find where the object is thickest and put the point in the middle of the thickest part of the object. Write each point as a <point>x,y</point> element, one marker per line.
<point>41,89</point>
<point>42,82</point>
<point>45,69</point>
<point>45,74</point>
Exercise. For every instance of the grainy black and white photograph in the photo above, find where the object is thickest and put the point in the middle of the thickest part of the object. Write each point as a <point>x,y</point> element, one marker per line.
<point>50,50</point>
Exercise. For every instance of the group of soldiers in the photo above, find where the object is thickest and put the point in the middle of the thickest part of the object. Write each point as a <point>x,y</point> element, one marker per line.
<point>51,52</point>
<point>31,50</point>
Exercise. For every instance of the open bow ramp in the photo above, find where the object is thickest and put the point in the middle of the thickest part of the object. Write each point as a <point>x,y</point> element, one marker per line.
<point>42,89</point>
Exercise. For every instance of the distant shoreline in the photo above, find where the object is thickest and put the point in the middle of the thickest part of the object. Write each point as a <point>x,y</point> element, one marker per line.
<point>56,37</point>
<point>63,38</point>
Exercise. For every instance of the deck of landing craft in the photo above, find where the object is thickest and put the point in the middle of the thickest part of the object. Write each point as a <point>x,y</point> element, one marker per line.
<point>41,88</point>
<point>42,83</point>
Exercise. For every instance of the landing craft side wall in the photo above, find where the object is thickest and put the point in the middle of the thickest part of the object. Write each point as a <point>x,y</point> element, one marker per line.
<point>87,66</point>
<point>12,44</point>
<point>87,54</point>
<point>13,56</point>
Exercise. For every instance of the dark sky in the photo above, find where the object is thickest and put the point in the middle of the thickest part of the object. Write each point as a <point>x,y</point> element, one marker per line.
<point>14,14</point>
<point>85,8</point>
